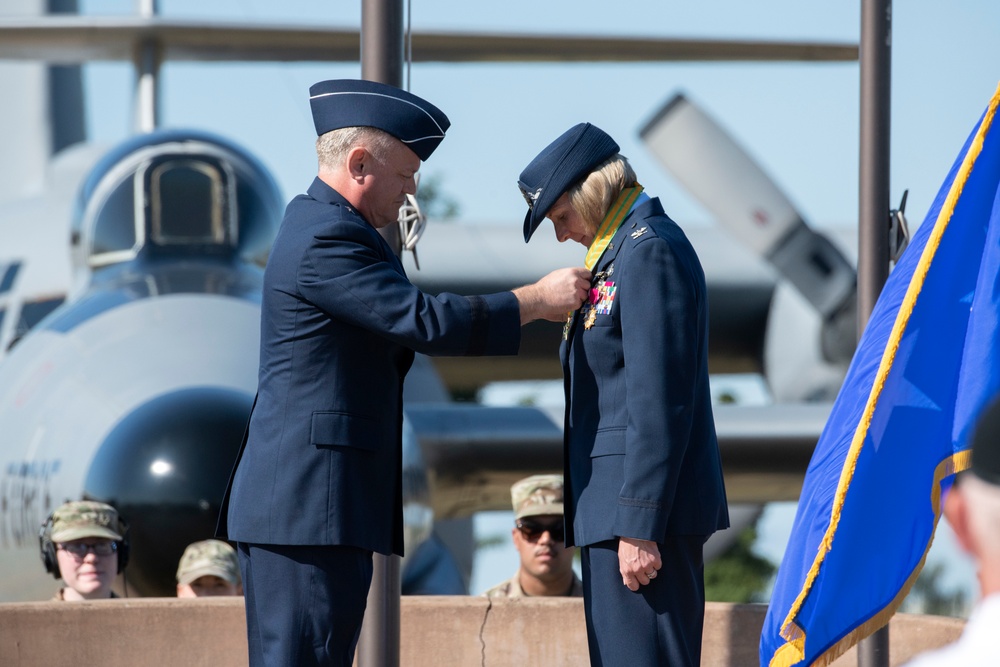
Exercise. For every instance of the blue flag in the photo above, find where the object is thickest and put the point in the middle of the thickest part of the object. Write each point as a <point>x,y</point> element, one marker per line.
<point>927,362</point>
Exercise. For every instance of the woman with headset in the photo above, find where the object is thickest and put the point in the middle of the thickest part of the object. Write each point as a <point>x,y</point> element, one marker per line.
<point>84,544</point>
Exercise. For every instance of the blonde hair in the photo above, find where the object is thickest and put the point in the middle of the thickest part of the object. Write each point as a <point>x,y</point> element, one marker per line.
<point>332,147</point>
<point>593,196</point>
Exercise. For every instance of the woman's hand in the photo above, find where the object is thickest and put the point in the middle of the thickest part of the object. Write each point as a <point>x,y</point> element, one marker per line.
<point>638,561</point>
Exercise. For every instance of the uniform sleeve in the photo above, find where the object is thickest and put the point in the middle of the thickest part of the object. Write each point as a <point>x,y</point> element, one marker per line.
<point>660,299</point>
<point>344,274</point>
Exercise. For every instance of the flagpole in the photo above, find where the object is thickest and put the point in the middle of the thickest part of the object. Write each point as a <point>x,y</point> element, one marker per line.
<point>873,200</point>
<point>382,61</point>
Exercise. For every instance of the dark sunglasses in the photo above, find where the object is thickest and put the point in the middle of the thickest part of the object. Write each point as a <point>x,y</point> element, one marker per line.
<point>532,530</point>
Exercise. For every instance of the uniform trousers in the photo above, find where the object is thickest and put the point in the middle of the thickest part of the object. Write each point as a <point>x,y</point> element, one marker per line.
<point>656,626</point>
<point>304,604</point>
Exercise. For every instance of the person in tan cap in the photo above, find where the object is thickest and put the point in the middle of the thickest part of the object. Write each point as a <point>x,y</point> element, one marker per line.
<point>84,544</point>
<point>546,564</point>
<point>208,568</point>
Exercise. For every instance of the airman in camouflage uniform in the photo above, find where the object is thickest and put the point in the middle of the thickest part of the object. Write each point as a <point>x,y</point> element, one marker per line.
<point>80,543</point>
<point>208,568</point>
<point>546,564</point>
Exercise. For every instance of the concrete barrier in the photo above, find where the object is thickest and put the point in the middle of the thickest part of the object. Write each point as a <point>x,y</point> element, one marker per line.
<point>435,632</point>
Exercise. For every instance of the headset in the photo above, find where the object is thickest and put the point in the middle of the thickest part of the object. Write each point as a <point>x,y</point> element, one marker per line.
<point>48,548</point>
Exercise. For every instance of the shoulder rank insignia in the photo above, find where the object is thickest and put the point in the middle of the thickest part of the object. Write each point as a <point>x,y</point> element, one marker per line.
<point>639,232</point>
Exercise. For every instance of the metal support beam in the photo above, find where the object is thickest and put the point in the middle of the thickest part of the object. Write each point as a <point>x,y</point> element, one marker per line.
<point>147,58</point>
<point>379,642</point>
<point>873,201</point>
<point>382,61</point>
<point>873,193</point>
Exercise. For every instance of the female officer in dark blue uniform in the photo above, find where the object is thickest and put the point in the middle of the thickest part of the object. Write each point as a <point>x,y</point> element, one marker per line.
<point>643,478</point>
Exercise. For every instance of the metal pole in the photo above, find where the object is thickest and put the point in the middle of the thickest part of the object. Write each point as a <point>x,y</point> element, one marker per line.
<point>379,642</point>
<point>382,61</point>
<point>148,57</point>
<point>147,99</point>
<point>873,200</point>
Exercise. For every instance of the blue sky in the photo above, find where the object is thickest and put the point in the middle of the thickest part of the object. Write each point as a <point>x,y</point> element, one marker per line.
<point>799,120</point>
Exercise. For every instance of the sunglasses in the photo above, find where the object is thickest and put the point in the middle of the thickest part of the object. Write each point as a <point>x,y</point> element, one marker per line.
<point>81,550</point>
<point>532,530</point>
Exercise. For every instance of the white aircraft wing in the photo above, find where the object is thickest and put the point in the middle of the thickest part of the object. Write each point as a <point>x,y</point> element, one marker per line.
<point>78,39</point>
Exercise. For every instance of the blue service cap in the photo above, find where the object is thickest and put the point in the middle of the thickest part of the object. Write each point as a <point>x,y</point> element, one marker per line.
<point>357,103</point>
<point>563,163</point>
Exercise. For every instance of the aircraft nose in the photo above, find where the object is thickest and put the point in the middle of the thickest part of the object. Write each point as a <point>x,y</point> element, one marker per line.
<point>165,467</point>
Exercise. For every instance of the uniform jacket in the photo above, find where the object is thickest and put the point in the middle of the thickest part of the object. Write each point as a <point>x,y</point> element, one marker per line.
<point>642,459</point>
<point>511,588</point>
<point>321,462</point>
<point>977,647</point>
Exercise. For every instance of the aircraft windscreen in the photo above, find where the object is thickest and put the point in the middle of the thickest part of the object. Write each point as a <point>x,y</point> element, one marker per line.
<point>172,192</point>
<point>188,203</point>
<point>114,229</point>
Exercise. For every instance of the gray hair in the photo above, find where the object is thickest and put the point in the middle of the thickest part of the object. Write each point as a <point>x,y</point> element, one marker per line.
<point>593,196</point>
<point>333,147</point>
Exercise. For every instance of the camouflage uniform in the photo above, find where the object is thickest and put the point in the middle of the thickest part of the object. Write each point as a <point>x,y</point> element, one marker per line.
<point>208,558</point>
<point>538,495</point>
<point>58,597</point>
<point>512,588</point>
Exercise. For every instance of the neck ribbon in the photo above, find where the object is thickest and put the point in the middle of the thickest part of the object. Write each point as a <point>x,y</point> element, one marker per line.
<point>613,219</point>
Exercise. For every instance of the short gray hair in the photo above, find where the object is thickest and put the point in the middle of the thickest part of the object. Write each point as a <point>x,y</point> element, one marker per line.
<point>332,147</point>
<point>593,196</point>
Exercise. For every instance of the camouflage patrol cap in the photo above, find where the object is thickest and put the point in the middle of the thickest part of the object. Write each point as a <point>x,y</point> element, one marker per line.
<point>78,519</point>
<point>536,495</point>
<point>208,558</point>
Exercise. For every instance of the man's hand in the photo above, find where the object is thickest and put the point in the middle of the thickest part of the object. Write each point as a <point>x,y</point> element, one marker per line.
<point>638,561</point>
<point>555,295</point>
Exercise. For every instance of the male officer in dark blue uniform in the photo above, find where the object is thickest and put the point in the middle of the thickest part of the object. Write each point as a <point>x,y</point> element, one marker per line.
<point>317,486</point>
<point>643,476</point>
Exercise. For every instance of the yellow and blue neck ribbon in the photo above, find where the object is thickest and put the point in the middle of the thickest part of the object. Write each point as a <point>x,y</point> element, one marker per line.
<point>613,219</point>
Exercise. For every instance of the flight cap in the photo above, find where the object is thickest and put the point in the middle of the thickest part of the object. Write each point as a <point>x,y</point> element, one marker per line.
<point>208,557</point>
<point>560,166</point>
<point>537,495</point>
<point>341,103</point>
<point>78,519</point>
<point>986,444</point>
